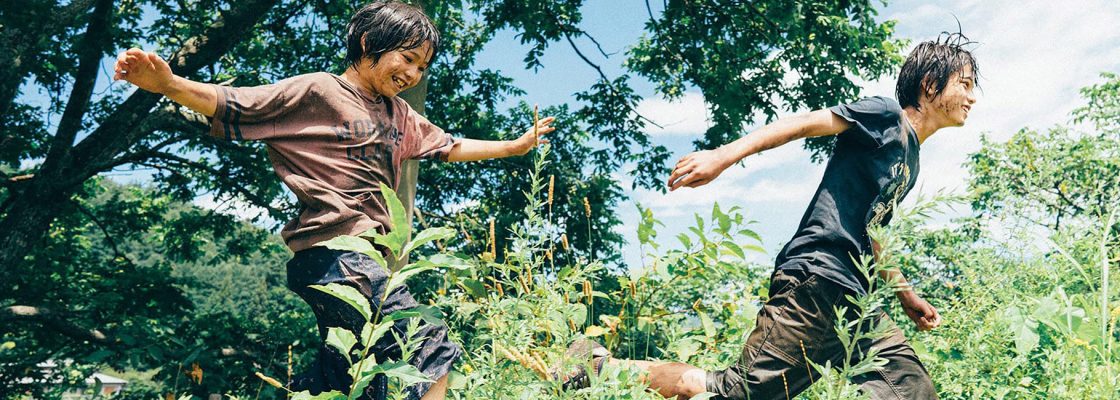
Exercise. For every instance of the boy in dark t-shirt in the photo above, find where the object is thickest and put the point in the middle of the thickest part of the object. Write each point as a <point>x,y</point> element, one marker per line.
<point>332,140</point>
<point>873,167</point>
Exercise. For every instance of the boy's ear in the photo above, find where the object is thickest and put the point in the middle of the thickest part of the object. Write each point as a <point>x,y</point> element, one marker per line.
<point>928,88</point>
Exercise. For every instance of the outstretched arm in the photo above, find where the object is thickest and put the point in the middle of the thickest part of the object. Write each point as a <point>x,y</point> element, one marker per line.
<point>150,72</point>
<point>474,150</point>
<point>699,168</point>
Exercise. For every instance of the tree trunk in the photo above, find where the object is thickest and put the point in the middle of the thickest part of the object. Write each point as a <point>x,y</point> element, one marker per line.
<point>33,209</point>
<point>410,169</point>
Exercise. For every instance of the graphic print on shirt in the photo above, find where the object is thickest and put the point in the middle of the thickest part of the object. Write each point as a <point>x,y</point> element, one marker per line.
<point>891,194</point>
<point>360,131</point>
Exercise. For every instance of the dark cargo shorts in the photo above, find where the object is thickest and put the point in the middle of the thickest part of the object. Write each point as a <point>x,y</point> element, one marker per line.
<point>798,324</point>
<point>320,266</point>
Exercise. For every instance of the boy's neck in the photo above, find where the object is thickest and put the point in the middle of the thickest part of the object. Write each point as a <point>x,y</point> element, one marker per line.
<point>923,126</point>
<point>352,77</point>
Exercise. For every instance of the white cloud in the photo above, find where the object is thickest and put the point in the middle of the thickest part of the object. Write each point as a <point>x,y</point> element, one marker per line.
<point>774,178</point>
<point>1033,57</point>
<point>686,116</point>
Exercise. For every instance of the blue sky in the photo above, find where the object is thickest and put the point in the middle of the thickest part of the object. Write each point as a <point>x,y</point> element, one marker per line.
<point>1034,57</point>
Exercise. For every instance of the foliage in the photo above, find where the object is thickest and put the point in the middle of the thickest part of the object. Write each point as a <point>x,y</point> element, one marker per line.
<point>165,307</point>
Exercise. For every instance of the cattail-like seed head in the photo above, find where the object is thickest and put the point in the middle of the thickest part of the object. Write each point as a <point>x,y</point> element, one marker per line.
<point>785,383</point>
<point>633,290</point>
<point>551,187</point>
<point>501,292</point>
<point>564,241</point>
<point>587,207</point>
<point>493,240</point>
<point>587,290</point>
<point>524,286</point>
<point>806,355</point>
<point>566,298</point>
<point>274,383</point>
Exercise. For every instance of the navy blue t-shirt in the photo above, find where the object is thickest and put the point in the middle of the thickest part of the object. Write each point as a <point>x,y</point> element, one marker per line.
<point>873,167</point>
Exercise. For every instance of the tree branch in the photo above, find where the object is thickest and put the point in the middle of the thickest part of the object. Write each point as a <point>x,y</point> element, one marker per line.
<point>21,45</point>
<point>187,163</point>
<point>118,131</point>
<point>51,319</point>
<point>89,62</point>
<point>108,237</point>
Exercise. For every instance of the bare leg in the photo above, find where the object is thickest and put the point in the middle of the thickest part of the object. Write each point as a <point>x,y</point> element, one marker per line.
<point>669,378</point>
<point>438,391</point>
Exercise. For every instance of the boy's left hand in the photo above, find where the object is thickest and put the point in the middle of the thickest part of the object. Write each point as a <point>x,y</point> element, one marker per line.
<point>923,314</point>
<point>532,137</point>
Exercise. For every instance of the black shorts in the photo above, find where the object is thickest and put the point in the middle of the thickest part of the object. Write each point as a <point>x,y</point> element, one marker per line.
<point>321,266</point>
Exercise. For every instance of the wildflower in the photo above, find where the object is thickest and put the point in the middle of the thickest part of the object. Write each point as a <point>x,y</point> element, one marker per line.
<point>195,373</point>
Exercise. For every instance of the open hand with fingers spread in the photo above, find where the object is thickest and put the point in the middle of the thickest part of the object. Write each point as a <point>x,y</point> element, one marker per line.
<point>532,136</point>
<point>698,168</point>
<point>146,70</point>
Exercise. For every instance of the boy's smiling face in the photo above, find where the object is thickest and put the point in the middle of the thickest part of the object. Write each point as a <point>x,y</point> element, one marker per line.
<point>957,99</point>
<point>396,70</point>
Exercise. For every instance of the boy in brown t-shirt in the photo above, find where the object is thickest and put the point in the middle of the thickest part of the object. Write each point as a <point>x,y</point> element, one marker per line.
<point>333,140</point>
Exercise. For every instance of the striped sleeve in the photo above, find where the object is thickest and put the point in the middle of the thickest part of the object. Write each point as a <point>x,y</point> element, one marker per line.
<point>253,113</point>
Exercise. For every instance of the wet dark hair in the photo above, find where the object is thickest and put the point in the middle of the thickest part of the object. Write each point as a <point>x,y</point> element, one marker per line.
<point>931,64</point>
<point>386,26</point>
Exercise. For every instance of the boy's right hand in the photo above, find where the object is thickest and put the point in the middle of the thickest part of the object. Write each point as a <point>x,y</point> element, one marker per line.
<point>145,70</point>
<point>698,168</point>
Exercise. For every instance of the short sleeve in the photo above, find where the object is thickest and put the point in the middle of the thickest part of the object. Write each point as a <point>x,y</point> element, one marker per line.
<point>253,113</point>
<point>425,140</point>
<point>871,118</point>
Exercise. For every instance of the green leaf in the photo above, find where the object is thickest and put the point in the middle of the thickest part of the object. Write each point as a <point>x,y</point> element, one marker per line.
<point>733,248</point>
<point>400,277</point>
<point>341,339</point>
<point>450,261</point>
<point>429,314</point>
<point>406,373</point>
<point>331,395</point>
<point>355,244</point>
<point>751,234</point>
<point>709,326</point>
<point>348,295</point>
<point>426,236</point>
<point>1023,330</point>
<point>398,232</point>
<point>474,288</point>
<point>372,334</point>
<point>685,240</point>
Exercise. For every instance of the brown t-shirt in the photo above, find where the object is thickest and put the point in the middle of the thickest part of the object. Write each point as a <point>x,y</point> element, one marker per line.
<point>332,145</point>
